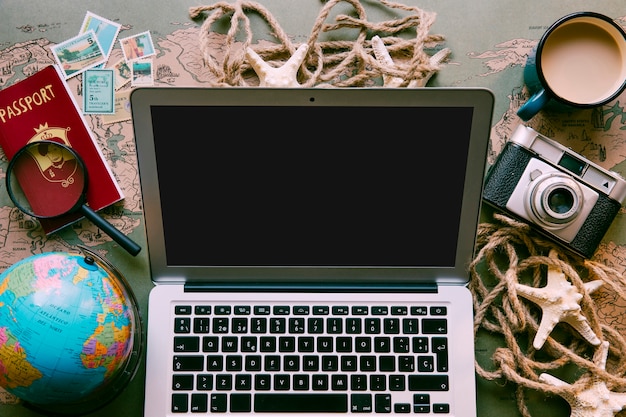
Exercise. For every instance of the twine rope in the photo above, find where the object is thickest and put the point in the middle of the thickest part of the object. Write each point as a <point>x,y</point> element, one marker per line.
<point>510,252</point>
<point>337,63</point>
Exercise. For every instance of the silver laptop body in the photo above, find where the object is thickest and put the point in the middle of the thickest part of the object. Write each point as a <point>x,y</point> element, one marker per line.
<point>280,222</point>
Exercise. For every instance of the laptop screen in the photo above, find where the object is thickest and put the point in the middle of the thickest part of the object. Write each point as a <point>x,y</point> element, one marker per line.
<point>356,189</point>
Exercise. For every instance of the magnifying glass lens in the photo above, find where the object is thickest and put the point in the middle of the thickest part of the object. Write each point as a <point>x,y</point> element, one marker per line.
<point>46,179</point>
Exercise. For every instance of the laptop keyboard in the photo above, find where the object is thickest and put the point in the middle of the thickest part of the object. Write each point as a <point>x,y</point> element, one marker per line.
<point>287,358</point>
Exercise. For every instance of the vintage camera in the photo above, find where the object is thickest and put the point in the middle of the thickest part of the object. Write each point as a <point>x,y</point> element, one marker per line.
<point>560,193</point>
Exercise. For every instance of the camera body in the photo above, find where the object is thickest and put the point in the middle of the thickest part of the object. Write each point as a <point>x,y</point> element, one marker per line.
<point>560,193</point>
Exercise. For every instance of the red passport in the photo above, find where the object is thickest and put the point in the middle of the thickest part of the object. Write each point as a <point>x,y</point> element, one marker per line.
<point>41,107</point>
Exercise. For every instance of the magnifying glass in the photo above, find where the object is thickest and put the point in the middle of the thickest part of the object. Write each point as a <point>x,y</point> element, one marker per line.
<point>47,179</point>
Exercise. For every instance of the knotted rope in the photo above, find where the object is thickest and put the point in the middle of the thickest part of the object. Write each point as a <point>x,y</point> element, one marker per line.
<point>337,63</point>
<point>510,252</point>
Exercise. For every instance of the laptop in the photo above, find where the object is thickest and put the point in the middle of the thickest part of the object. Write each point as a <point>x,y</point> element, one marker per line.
<point>310,248</point>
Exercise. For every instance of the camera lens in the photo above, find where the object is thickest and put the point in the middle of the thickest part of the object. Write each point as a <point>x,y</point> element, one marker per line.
<point>560,200</point>
<point>555,199</point>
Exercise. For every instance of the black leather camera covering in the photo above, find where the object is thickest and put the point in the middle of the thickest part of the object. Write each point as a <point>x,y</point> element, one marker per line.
<point>595,226</point>
<point>505,173</point>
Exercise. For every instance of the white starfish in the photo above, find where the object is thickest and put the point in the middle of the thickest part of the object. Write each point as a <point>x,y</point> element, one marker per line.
<point>283,76</point>
<point>596,400</point>
<point>559,301</point>
<point>383,58</point>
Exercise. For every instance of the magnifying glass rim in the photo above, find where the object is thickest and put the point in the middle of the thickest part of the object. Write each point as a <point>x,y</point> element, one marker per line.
<point>79,163</point>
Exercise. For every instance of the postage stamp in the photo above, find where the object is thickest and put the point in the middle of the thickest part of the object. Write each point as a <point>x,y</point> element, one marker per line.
<point>78,54</point>
<point>142,71</point>
<point>122,73</point>
<point>137,46</point>
<point>105,30</point>
<point>98,91</point>
<point>122,108</point>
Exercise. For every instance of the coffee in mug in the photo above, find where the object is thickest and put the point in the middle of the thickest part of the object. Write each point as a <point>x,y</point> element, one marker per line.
<point>579,62</point>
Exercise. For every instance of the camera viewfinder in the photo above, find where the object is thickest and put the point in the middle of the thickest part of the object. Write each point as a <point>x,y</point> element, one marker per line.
<point>572,164</point>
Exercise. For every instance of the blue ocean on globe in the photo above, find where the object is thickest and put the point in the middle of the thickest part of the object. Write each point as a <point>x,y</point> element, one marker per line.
<point>66,328</point>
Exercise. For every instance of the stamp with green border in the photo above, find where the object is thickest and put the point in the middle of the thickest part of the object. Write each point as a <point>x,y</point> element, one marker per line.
<point>98,91</point>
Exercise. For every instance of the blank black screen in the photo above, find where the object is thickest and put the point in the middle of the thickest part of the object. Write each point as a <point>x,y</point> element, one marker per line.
<point>311,186</point>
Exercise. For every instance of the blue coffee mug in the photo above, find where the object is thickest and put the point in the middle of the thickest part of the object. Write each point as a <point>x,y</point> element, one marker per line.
<point>579,62</point>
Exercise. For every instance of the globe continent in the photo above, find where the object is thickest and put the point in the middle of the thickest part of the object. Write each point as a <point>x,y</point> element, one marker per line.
<point>66,328</point>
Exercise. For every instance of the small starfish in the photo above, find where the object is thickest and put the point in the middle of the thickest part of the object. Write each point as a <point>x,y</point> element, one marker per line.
<point>596,400</point>
<point>559,301</point>
<point>284,76</point>
<point>383,58</point>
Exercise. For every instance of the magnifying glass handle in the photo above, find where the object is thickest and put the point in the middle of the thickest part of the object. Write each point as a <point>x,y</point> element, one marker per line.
<point>123,240</point>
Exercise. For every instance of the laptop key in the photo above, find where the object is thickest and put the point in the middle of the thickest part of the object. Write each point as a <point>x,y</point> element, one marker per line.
<point>240,403</point>
<point>220,325</point>
<point>258,325</point>
<point>218,403</point>
<point>182,382</point>
<point>240,325</point>
<point>441,408</point>
<point>182,325</point>
<point>182,310</point>
<point>202,310</point>
<point>399,311</point>
<point>315,325</point>
<point>188,363</point>
<point>242,310</point>
<point>435,326</point>
<point>361,403</point>
<point>421,398</point>
<point>278,325</point>
<point>372,326</point>
<point>300,403</point>
<point>180,403</point>
<point>419,311</point>
<point>380,310</point>
<point>409,326</point>
<point>204,382</point>
<point>281,310</point>
<point>186,344</point>
<point>340,310</point>
<point>438,311</point>
<point>387,363</point>
<point>396,382</point>
<point>301,310</point>
<point>321,310</point>
<point>425,363</point>
<point>201,325</point>
<point>199,403</point>
<point>428,383</point>
<point>265,310</point>
<point>223,310</point>
<point>360,310</point>
<point>382,403</point>
<point>440,348</point>
<point>210,344</point>
<point>334,325</point>
<point>353,326</point>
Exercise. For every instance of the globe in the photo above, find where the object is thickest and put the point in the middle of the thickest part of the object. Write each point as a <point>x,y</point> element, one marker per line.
<point>70,331</point>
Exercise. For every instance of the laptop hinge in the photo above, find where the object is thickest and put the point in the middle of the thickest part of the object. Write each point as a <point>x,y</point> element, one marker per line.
<point>319,288</point>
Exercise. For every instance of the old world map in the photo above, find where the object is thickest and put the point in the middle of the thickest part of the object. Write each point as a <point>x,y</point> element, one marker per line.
<point>598,134</point>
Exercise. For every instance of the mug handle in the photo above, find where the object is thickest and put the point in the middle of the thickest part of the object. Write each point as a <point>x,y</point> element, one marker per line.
<point>533,105</point>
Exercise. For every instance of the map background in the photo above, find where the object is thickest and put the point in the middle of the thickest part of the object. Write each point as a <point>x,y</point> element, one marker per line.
<point>489,41</point>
